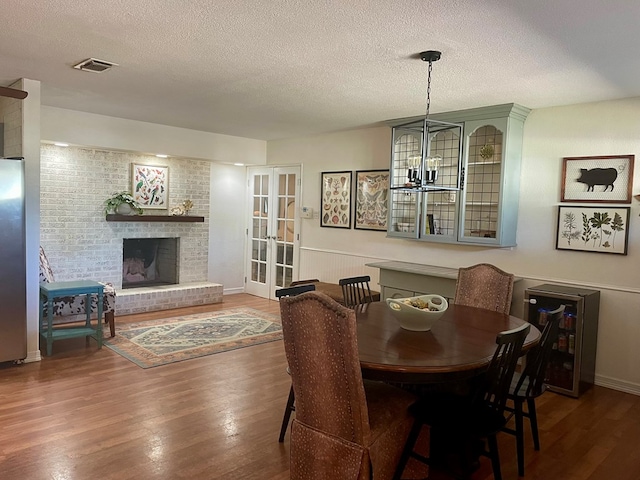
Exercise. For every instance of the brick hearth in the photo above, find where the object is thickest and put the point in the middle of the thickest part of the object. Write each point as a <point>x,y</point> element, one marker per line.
<point>150,299</point>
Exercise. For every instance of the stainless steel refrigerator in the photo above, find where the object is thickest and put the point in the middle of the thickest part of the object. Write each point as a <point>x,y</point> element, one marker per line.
<point>13,289</point>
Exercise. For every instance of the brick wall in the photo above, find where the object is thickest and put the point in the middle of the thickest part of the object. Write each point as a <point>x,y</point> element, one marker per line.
<point>81,244</point>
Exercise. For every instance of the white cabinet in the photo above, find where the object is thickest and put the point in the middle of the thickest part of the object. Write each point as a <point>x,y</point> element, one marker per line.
<point>485,210</point>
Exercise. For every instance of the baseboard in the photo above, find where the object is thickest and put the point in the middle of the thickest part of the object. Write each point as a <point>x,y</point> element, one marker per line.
<point>233,291</point>
<point>34,356</point>
<point>617,384</point>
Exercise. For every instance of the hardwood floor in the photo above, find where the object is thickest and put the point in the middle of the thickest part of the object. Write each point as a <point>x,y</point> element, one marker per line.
<point>85,413</point>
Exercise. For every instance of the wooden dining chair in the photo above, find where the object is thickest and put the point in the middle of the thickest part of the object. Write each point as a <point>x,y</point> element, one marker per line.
<point>484,286</point>
<point>294,290</point>
<point>455,419</point>
<point>291,401</point>
<point>345,427</point>
<point>530,384</point>
<point>303,282</point>
<point>356,291</point>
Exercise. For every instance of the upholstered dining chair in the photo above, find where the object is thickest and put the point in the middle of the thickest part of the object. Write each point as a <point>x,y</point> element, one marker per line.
<point>530,384</point>
<point>484,286</point>
<point>345,427</point>
<point>481,415</point>
<point>355,290</point>
<point>68,309</point>
<point>291,401</point>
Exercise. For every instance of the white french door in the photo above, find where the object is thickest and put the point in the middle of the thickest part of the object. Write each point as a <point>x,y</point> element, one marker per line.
<point>274,232</point>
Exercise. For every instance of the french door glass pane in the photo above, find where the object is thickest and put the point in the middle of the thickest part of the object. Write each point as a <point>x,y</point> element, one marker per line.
<point>286,205</point>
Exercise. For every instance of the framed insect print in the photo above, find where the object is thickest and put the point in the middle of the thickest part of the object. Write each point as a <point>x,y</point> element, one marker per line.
<point>336,200</point>
<point>372,200</point>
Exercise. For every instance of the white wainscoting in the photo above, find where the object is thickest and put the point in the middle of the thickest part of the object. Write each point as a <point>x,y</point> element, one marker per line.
<point>331,265</point>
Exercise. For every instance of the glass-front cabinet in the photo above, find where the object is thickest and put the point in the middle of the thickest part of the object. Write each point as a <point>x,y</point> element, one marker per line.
<point>485,209</point>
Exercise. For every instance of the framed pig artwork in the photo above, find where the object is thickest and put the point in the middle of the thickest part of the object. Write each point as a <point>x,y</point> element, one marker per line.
<point>603,179</point>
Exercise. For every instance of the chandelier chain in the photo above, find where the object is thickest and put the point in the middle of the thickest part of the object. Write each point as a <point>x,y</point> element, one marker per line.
<point>429,87</point>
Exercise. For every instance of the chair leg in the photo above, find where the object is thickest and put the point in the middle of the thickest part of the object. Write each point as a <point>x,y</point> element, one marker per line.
<point>287,414</point>
<point>533,419</point>
<point>110,318</point>
<point>408,449</point>
<point>495,457</point>
<point>519,417</point>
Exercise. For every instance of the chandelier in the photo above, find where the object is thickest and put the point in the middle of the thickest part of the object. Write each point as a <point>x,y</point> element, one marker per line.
<point>423,159</point>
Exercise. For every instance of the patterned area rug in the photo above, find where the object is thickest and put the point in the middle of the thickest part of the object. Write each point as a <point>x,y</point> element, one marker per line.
<point>168,340</point>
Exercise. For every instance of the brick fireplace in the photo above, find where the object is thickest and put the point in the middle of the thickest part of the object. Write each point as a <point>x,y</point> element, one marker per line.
<point>80,244</point>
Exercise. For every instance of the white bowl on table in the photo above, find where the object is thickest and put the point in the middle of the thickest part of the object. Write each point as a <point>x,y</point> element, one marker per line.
<point>418,318</point>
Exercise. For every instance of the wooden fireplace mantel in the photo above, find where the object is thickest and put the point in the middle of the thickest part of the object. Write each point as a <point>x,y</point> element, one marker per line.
<point>154,218</point>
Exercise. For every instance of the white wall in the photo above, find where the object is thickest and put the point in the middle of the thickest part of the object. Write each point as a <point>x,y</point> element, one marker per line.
<point>100,131</point>
<point>227,219</point>
<point>604,128</point>
<point>31,153</point>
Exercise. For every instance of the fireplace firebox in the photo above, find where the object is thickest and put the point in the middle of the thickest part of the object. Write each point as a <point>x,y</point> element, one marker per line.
<point>149,262</point>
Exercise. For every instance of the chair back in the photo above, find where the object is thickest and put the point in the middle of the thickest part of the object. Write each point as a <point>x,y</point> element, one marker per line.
<point>303,282</point>
<point>356,291</point>
<point>533,376</point>
<point>293,291</point>
<point>46,273</point>
<point>322,352</point>
<point>484,286</point>
<point>498,376</point>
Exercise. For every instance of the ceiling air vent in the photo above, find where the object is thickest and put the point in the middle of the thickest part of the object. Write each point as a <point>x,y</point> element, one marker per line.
<point>94,65</point>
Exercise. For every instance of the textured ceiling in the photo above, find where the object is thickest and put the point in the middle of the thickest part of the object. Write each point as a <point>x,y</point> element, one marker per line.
<point>270,69</point>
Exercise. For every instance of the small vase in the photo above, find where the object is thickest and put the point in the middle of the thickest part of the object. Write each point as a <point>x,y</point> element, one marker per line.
<point>124,209</point>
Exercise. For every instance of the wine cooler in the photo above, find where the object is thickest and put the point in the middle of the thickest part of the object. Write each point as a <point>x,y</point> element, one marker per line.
<point>572,363</point>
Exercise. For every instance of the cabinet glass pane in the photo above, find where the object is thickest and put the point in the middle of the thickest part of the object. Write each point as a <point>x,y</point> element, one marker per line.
<point>482,183</point>
<point>441,213</point>
<point>446,145</point>
<point>440,218</point>
<point>403,211</point>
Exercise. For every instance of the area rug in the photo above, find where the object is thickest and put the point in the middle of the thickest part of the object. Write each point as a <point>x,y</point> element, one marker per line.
<point>168,340</point>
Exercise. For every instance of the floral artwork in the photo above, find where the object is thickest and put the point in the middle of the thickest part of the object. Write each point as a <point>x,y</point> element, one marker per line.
<point>590,229</point>
<point>372,195</point>
<point>336,200</point>
<point>150,185</point>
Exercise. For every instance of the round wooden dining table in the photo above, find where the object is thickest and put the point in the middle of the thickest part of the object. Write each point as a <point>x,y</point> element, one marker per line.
<point>458,346</point>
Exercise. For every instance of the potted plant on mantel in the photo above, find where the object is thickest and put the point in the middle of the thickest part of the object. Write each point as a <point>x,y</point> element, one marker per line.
<point>122,203</point>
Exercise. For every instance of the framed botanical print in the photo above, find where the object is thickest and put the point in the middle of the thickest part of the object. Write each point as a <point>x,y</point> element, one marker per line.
<point>604,179</point>
<point>336,200</point>
<point>372,200</point>
<point>150,185</point>
<point>593,229</point>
